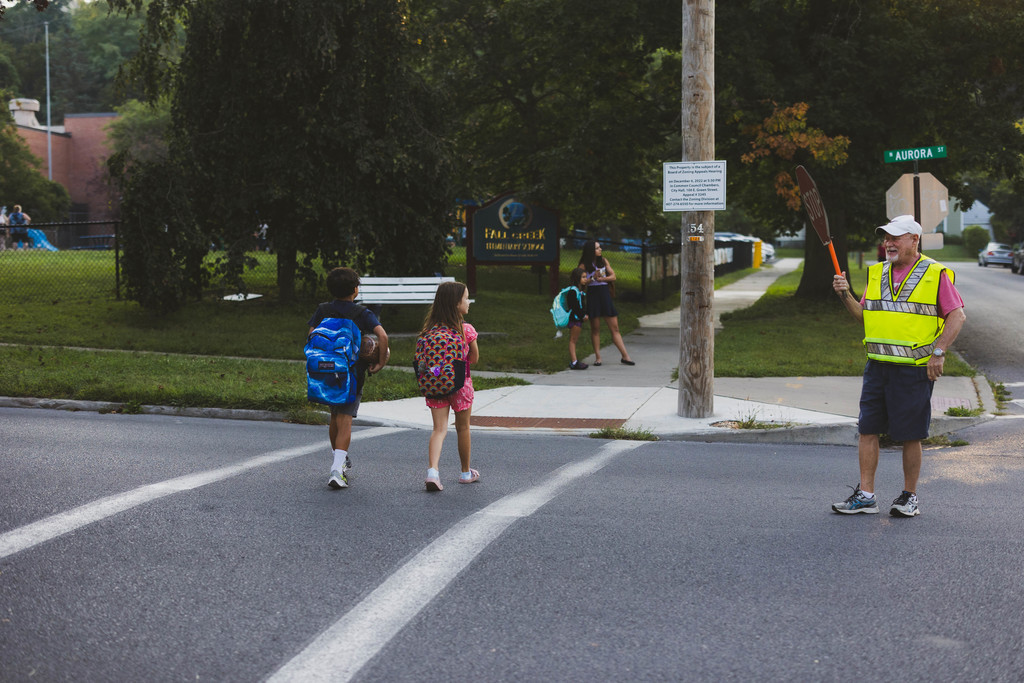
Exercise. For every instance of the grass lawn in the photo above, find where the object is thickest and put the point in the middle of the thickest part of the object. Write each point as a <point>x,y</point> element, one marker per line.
<point>218,353</point>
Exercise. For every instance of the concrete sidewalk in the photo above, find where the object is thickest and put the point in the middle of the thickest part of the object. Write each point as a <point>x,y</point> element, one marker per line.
<point>819,410</point>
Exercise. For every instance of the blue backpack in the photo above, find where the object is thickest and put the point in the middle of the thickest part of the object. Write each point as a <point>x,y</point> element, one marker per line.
<point>560,309</point>
<point>331,354</point>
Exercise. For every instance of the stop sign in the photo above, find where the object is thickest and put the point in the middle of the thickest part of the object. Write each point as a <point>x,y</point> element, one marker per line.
<point>899,200</point>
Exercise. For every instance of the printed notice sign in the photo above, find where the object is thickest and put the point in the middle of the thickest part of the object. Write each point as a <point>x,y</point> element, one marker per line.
<point>694,186</point>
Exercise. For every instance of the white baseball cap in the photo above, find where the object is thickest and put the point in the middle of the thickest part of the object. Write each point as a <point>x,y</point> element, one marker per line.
<point>901,225</point>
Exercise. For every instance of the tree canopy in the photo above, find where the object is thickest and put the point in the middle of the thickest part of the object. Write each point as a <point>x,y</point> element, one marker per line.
<point>887,75</point>
<point>309,120</point>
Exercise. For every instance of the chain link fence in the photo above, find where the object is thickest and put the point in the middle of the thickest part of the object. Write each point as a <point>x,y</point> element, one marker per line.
<point>71,259</point>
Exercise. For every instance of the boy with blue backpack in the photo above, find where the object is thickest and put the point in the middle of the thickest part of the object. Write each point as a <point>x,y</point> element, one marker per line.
<point>335,371</point>
<point>569,309</point>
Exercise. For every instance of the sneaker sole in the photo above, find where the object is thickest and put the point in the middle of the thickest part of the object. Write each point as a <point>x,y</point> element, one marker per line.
<point>899,513</point>
<point>335,484</point>
<point>870,511</point>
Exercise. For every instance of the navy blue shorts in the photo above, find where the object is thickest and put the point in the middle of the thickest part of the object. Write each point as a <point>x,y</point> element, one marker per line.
<point>896,400</point>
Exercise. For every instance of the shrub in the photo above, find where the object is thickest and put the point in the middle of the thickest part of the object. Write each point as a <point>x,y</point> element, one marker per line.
<point>975,238</point>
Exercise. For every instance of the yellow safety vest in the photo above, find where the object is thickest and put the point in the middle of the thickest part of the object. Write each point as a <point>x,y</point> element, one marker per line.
<point>901,324</point>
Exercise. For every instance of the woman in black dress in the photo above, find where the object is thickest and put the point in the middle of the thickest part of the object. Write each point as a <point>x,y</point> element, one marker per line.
<point>599,300</point>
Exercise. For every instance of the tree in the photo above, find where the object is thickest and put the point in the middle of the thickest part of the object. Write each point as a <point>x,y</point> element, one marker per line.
<point>571,103</point>
<point>1007,205</point>
<point>308,119</point>
<point>21,180</point>
<point>886,75</point>
<point>40,5</point>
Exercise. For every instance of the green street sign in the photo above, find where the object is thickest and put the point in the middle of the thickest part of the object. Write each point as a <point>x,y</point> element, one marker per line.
<point>916,154</point>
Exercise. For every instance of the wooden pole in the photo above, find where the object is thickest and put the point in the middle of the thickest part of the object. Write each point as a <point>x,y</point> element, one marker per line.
<point>697,288</point>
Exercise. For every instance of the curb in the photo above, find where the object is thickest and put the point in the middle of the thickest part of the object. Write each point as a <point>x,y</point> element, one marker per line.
<point>111,407</point>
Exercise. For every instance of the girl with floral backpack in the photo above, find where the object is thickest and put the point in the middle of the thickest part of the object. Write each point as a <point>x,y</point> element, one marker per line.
<point>444,325</point>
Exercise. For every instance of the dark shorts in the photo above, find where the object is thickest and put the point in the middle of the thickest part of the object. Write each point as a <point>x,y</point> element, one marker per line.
<point>896,400</point>
<point>599,302</point>
<point>574,323</point>
<point>348,408</point>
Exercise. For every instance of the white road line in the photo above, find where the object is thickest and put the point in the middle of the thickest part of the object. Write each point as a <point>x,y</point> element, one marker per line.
<point>48,528</point>
<point>345,647</point>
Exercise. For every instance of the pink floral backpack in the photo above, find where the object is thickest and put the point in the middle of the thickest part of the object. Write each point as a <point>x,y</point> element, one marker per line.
<point>439,363</point>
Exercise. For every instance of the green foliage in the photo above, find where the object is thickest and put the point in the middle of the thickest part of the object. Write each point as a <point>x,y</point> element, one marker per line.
<point>975,238</point>
<point>140,130</point>
<point>624,434</point>
<point>838,57</point>
<point>1007,205</point>
<point>579,120</point>
<point>325,136</point>
<point>164,250</point>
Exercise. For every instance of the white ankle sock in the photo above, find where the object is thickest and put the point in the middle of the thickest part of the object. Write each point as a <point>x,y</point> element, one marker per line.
<point>339,460</point>
<point>467,475</point>
<point>432,473</point>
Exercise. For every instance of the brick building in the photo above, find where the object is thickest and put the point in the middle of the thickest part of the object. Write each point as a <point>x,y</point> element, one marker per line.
<point>78,150</point>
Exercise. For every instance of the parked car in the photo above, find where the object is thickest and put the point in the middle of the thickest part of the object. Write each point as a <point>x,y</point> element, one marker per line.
<point>767,249</point>
<point>1018,260</point>
<point>996,253</point>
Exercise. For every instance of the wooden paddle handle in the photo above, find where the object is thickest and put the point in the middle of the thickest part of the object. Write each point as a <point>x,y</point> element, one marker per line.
<point>835,261</point>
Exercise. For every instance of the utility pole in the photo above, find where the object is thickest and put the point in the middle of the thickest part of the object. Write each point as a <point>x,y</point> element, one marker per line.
<point>697,268</point>
<point>49,143</point>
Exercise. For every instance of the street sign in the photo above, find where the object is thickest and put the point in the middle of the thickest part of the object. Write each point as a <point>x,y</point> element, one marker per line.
<point>933,199</point>
<point>915,154</point>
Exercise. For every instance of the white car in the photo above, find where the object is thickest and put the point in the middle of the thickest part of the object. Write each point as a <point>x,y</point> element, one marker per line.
<point>996,253</point>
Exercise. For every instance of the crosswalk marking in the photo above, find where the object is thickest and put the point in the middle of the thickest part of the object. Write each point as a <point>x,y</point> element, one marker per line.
<point>361,633</point>
<point>51,527</point>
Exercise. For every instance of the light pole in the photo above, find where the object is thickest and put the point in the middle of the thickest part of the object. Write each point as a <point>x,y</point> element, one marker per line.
<point>49,144</point>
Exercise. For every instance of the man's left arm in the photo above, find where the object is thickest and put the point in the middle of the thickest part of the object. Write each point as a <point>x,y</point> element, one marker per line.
<point>954,323</point>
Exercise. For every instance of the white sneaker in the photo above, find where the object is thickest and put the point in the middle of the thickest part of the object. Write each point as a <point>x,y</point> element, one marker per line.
<point>338,480</point>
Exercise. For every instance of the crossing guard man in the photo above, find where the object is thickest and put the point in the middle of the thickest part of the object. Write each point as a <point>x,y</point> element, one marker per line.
<point>912,314</point>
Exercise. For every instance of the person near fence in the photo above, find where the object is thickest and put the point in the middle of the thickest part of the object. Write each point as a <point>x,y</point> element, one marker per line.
<point>3,228</point>
<point>912,314</point>
<point>19,221</point>
<point>600,277</point>
<point>343,284</point>
<point>451,304</point>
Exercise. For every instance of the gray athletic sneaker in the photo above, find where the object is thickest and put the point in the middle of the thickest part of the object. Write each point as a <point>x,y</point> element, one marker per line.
<point>338,480</point>
<point>905,505</point>
<point>857,502</point>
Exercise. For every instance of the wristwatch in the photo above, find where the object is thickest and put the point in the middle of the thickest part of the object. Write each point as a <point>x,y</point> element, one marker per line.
<point>938,353</point>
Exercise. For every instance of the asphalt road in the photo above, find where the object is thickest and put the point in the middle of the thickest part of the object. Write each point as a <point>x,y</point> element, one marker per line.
<point>993,337</point>
<point>172,549</point>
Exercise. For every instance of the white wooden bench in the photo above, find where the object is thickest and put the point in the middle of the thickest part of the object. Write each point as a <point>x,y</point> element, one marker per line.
<point>377,291</point>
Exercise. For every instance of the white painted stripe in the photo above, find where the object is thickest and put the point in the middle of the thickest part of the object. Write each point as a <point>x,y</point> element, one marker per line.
<point>345,647</point>
<point>62,523</point>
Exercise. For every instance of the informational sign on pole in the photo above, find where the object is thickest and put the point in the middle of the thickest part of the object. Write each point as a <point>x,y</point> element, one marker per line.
<point>693,186</point>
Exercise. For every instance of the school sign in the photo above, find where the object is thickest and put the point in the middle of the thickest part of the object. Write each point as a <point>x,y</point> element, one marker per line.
<point>915,154</point>
<point>511,231</point>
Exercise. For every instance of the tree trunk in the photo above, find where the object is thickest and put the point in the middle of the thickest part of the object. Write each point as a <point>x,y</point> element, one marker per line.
<point>816,282</point>
<point>286,273</point>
